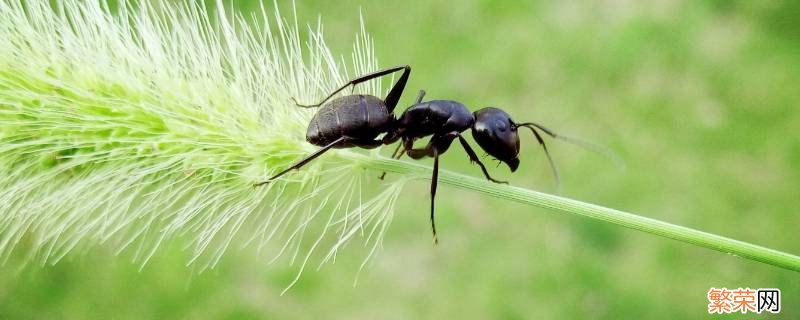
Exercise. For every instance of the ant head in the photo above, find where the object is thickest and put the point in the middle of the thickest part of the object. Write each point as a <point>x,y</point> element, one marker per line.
<point>497,134</point>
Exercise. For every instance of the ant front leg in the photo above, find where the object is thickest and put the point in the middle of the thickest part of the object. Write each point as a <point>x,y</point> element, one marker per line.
<point>474,159</point>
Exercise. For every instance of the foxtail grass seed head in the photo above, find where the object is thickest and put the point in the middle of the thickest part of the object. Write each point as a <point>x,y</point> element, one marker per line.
<point>151,123</point>
<point>148,126</point>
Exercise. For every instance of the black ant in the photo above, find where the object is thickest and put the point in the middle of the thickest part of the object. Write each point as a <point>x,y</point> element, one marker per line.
<point>357,120</point>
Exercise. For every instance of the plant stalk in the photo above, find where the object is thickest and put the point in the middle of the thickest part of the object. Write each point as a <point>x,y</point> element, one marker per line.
<point>566,205</point>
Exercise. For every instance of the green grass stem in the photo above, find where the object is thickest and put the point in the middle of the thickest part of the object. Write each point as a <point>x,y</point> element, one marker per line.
<point>629,220</point>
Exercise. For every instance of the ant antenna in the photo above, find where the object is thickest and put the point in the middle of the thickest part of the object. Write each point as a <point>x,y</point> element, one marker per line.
<point>601,150</point>
<point>547,153</point>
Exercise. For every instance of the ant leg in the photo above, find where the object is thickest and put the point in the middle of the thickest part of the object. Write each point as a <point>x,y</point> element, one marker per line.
<point>474,159</point>
<point>432,150</point>
<point>407,145</point>
<point>366,77</point>
<point>303,162</point>
<point>397,90</point>
<point>394,154</point>
<point>397,150</point>
<point>417,154</point>
<point>400,154</point>
<point>442,142</point>
<point>420,96</point>
<point>434,182</point>
<point>438,144</point>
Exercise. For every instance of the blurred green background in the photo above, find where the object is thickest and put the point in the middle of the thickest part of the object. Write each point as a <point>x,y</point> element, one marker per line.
<point>699,97</point>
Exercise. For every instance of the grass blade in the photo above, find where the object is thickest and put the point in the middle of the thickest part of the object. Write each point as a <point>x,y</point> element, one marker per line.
<point>588,210</point>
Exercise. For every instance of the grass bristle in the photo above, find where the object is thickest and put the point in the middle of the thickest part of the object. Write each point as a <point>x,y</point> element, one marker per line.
<point>151,123</point>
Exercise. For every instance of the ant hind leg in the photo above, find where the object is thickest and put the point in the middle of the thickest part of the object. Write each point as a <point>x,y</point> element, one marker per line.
<point>304,161</point>
<point>397,90</point>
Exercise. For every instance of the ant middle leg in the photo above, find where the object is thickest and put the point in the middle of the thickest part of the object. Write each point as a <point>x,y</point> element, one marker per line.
<point>429,150</point>
<point>439,143</point>
<point>394,154</point>
<point>417,154</point>
<point>434,184</point>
